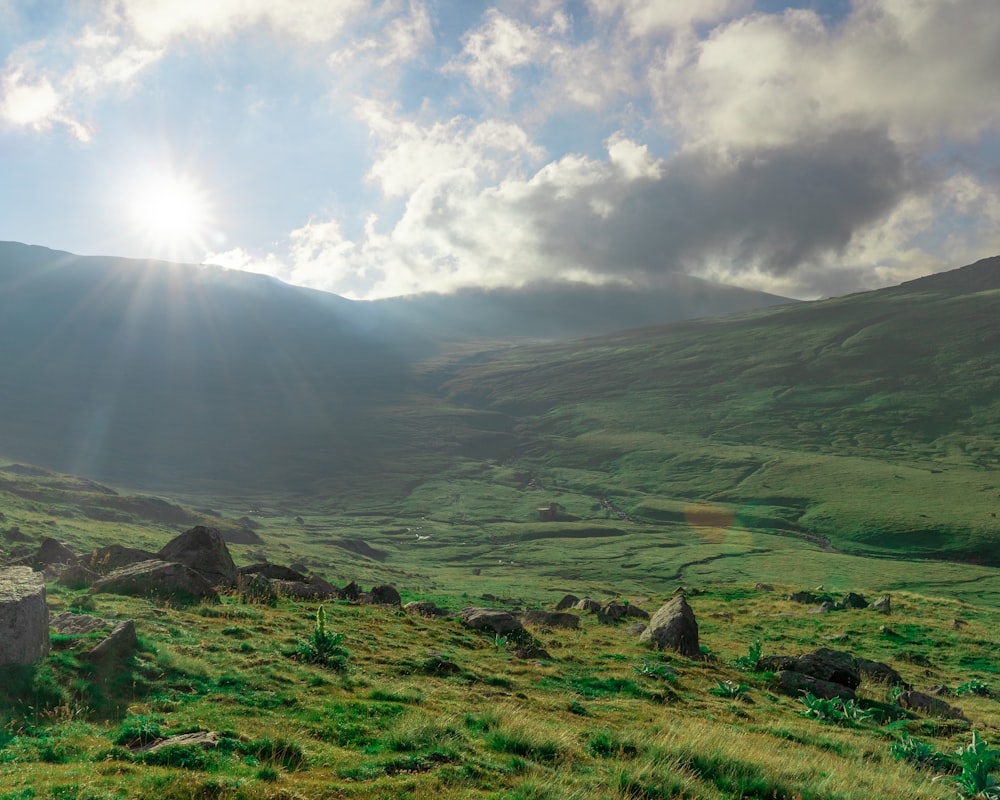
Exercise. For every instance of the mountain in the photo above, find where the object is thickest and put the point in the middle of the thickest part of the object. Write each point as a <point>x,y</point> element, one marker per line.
<point>151,374</point>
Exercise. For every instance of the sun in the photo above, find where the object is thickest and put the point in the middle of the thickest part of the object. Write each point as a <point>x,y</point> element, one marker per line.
<point>171,213</point>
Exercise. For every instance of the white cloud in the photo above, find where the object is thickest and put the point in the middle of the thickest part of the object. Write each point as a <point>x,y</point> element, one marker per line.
<point>158,21</point>
<point>916,68</point>
<point>650,17</point>
<point>409,153</point>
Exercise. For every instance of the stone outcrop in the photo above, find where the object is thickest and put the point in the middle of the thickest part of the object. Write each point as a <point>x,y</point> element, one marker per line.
<point>203,550</point>
<point>551,619</point>
<point>567,602</point>
<point>931,706</point>
<point>674,627</point>
<point>52,551</point>
<point>587,604</point>
<point>883,605</point>
<point>272,571</point>
<point>24,616</point>
<point>827,673</point>
<point>490,619</point>
<point>107,559</point>
<point>157,578</point>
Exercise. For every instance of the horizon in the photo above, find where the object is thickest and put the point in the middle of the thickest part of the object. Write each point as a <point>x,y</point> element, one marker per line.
<point>386,149</point>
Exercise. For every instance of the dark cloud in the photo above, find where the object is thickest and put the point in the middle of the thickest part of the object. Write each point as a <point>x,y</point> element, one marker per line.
<point>773,208</point>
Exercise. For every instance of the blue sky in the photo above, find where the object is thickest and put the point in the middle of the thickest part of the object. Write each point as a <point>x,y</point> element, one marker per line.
<point>375,148</point>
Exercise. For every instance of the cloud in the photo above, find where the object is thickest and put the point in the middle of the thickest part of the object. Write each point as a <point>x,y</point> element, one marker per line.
<point>918,69</point>
<point>159,21</point>
<point>650,17</point>
<point>31,101</point>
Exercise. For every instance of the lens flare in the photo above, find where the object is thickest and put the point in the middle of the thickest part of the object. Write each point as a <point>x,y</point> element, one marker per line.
<point>171,213</point>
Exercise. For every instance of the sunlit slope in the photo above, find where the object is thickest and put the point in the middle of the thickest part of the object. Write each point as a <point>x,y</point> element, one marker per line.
<point>872,420</point>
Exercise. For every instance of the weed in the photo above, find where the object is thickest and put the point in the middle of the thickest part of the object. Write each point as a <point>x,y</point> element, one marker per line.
<point>975,687</point>
<point>730,689</point>
<point>323,647</point>
<point>657,671</point>
<point>748,663</point>
<point>839,711</point>
<point>917,752</point>
<point>978,762</point>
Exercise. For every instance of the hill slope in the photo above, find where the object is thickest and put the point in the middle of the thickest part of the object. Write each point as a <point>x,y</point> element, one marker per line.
<point>154,375</point>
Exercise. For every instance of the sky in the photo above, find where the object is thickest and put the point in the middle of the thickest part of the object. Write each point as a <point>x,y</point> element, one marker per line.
<point>375,148</point>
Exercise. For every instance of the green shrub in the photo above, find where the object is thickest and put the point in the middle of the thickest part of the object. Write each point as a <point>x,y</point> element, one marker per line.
<point>748,663</point>
<point>975,687</point>
<point>917,752</point>
<point>323,647</point>
<point>730,689</point>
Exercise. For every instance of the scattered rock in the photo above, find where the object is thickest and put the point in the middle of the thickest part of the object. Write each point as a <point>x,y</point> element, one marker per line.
<point>424,608</point>
<point>806,598</point>
<point>883,605</point>
<point>931,706</point>
<point>242,536</point>
<point>208,740</point>
<point>24,616</point>
<point>14,535</point>
<point>940,691</point>
<point>568,601</point>
<point>587,604</point>
<point>274,571</point>
<point>551,619</point>
<point>853,600</point>
<point>436,664</point>
<point>834,666</point>
<point>490,619</point>
<point>637,629</point>
<point>612,611</point>
<point>350,592</point>
<point>118,646</point>
<point>532,652</point>
<point>255,587</point>
<point>76,576</point>
<point>823,608</point>
<point>880,672</point>
<point>385,595</point>
<point>106,559</point>
<point>793,682</point>
<point>958,624</point>
<point>158,578</point>
<point>69,624</point>
<point>763,587</point>
<point>52,551</point>
<point>203,550</point>
<point>885,630</point>
<point>673,627</point>
<point>300,590</point>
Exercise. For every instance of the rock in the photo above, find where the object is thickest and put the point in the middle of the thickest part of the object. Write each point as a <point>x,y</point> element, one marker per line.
<point>117,647</point>
<point>272,571</point>
<point>207,740</point>
<point>323,587</point>
<point>880,673</point>
<point>51,551</point>
<point>587,604</point>
<point>203,550</point>
<point>14,534</point>
<point>882,605</point>
<point>242,536</point>
<point>69,624</point>
<point>532,652</point>
<point>256,588</point>
<point>106,559</point>
<point>568,601</point>
<point>931,706</point>
<point>157,578</point>
<point>551,619</point>
<point>823,608</point>
<point>793,682</point>
<point>299,590</point>
<point>885,630</point>
<point>763,587</point>
<point>635,612</point>
<point>940,691</point>
<point>76,576</point>
<point>674,627</point>
<point>636,629</point>
<point>490,619</point>
<point>776,663</point>
<point>806,598</point>
<point>24,616</point>
<point>350,592</point>
<point>385,595</point>
<point>612,611</point>
<point>436,664</point>
<point>834,666</point>
<point>424,608</point>
<point>958,624</point>
<point>853,600</point>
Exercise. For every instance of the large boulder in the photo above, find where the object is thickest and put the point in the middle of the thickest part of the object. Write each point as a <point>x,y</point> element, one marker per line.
<point>797,683</point>
<point>269,570</point>
<point>931,706</point>
<point>24,616</point>
<point>384,595</point>
<point>490,619</point>
<point>568,601</point>
<point>70,624</point>
<point>883,605</point>
<point>203,550</point>
<point>674,627</point>
<point>163,579</point>
<point>834,666</point>
<point>256,588</point>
